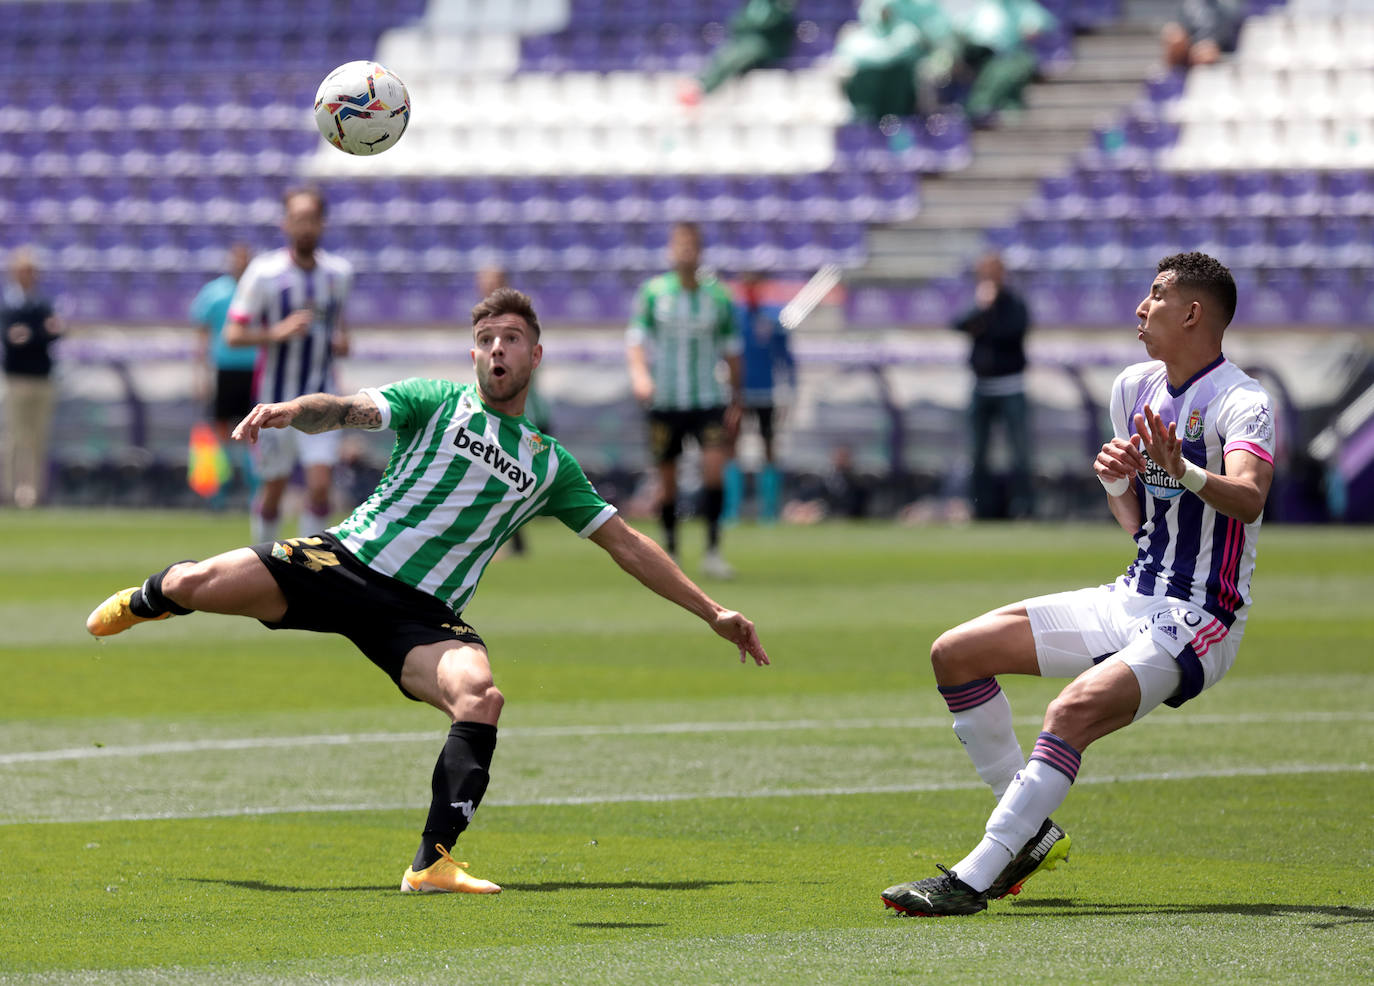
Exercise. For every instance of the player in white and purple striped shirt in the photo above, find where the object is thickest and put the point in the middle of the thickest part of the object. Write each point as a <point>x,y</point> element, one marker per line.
<point>290,303</point>
<point>1186,473</point>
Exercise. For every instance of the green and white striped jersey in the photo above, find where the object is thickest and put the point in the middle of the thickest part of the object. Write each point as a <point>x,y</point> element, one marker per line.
<point>685,334</point>
<point>461,480</point>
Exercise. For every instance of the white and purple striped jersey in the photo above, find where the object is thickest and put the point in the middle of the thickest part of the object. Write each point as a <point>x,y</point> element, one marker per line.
<point>1185,548</point>
<point>273,287</point>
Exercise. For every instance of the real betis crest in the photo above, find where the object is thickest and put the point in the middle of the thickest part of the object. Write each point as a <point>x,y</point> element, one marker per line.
<point>536,442</point>
<point>1193,429</point>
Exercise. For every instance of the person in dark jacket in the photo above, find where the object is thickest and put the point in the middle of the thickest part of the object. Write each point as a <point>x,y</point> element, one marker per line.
<point>29,327</point>
<point>998,323</point>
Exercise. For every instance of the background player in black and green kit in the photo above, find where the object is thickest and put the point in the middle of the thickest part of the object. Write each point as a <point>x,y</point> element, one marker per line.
<point>467,470</point>
<point>682,330</point>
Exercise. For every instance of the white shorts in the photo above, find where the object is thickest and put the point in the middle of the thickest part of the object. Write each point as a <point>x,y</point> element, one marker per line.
<point>1175,648</point>
<point>279,449</point>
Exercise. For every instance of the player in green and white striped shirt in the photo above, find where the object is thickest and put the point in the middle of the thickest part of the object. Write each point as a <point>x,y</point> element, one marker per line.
<point>682,330</point>
<point>467,470</point>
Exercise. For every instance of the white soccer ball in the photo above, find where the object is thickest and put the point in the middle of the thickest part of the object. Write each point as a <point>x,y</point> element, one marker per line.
<point>362,108</point>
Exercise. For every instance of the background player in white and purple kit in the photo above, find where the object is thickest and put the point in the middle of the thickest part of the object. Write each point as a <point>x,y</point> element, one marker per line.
<point>1186,473</point>
<point>290,302</point>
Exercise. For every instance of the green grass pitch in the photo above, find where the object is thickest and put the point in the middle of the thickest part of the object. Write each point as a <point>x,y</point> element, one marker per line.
<point>202,800</point>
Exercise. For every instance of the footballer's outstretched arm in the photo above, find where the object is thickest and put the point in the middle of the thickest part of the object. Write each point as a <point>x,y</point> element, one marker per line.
<point>645,560</point>
<point>311,413</point>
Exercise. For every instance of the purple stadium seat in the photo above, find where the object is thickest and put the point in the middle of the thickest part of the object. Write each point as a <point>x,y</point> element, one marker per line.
<point>846,242</point>
<point>798,192</point>
<point>1345,242</point>
<point>1202,193</point>
<point>847,197</point>
<point>1331,298</point>
<point>713,196</point>
<point>1293,241</point>
<point>1151,193</point>
<point>1201,233</point>
<point>1279,297</point>
<point>1150,135</point>
<point>1146,239</point>
<point>1251,194</point>
<point>852,142</point>
<point>897,195</point>
<point>1059,197</point>
<point>1050,242</point>
<point>756,196</point>
<point>799,246</point>
<point>946,141</point>
<point>541,53</point>
<point>1099,238</point>
<point>1299,193</point>
<point>625,198</point>
<point>1349,193</point>
<point>1243,242</point>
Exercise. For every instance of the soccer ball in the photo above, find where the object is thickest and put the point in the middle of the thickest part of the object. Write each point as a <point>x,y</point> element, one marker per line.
<point>362,108</point>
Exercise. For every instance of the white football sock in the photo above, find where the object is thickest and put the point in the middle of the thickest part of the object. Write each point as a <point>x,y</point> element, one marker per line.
<point>1034,794</point>
<point>313,523</point>
<point>990,742</point>
<point>261,528</point>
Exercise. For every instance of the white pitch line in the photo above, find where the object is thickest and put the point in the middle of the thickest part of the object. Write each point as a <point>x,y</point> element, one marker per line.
<point>644,729</point>
<point>1271,770</point>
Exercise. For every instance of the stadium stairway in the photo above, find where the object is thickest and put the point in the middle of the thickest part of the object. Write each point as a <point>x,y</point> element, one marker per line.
<point>1108,71</point>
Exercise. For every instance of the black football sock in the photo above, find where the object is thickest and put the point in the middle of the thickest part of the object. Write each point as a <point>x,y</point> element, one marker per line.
<point>459,781</point>
<point>712,503</point>
<point>148,600</point>
<point>667,514</point>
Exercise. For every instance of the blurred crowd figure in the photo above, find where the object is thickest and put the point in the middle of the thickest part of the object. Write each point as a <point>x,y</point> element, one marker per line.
<point>766,356</point>
<point>226,382</point>
<point>1202,32</point>
<point>760,33</point>
<point>903,57</point>
<point>997,324</point>
<point>30,326</point>
<point>681,331</point>
<point>290,304</point>
<point>842,492</point>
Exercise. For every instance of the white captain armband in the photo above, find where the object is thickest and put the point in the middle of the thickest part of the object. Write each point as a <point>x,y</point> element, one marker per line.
<point>1194,476</point>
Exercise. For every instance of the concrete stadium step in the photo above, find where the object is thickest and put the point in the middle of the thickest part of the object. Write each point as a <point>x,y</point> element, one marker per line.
<point>1009,160</point>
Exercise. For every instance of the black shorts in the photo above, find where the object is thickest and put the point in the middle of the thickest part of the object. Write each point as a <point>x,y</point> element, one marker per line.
<point>667,429</point>
<point>327,590</point>
<point>763,413</point>
<point>233,395</point>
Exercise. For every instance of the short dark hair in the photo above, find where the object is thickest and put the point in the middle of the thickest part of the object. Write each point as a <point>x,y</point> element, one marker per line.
<point>314,191</point>
<point>1206,275</point>
<point>507,301</point>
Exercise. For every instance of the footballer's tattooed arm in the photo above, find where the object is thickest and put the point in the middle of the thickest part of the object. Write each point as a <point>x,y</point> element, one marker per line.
<point>325,412</point>
<point>312,413</point>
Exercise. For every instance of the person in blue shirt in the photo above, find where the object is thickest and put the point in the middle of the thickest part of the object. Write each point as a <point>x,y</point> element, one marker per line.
<point>766,354</point>
<point>230,367</point>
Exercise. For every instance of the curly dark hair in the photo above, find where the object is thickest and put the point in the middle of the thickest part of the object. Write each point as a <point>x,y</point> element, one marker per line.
<point>507,301</point>
<point>1206,275</point>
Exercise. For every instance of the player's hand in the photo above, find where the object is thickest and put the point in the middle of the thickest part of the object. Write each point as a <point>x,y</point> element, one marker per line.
<point>643,389</point>
<point>1119,459</point>
<point>1161,442</point>
<point>740,632</point>
<point>265,416</point>
<point>985,293</point>
<point>293,325</point>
